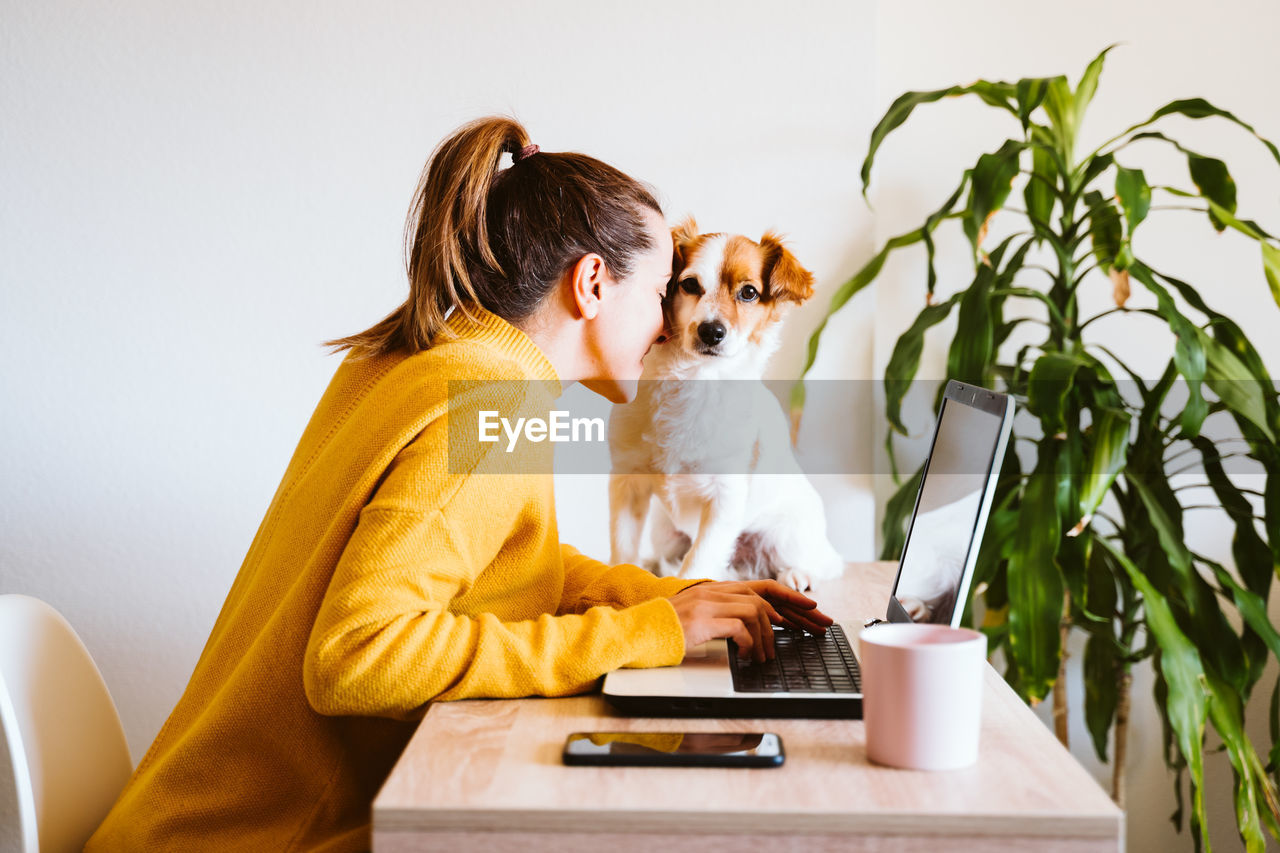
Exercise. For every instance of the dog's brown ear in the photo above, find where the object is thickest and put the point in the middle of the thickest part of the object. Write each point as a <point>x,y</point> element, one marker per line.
<point>785,279</point>
<point>682,236</point>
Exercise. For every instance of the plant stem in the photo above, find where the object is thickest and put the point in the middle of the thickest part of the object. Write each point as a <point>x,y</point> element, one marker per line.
<point>1125,679</point>
<point>1060,685</point>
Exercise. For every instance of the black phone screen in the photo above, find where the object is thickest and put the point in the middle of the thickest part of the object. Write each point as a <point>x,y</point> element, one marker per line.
<point>674,749</point>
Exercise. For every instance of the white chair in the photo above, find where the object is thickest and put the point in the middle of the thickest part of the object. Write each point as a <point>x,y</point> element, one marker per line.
<point>63,755</point>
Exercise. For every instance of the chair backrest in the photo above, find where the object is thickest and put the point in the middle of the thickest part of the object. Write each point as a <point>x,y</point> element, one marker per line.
<point>67,759</point>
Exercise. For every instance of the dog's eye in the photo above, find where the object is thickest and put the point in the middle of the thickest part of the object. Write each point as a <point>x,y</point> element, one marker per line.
<point>691,286</point>
<point>748,293</point>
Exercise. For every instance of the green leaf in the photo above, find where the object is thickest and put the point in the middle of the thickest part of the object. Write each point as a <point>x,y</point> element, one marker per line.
<point>990,186</point>
<point>1148,450</point>
<point>1041,191</point>
<point>974,343</point>
<point>1047,388</point>
<point>996,303</point>
<point>1059,105</point>
<point>1227,715</point>
<point>1200,108</point>
<point>1099,604</point>
<point>1188,350</point>
<point>1214,182</point>
<point>995,94</point>
<point>1226,332</point>
<point>1252,607</point>
<point>1035,584</point>
<point>1110,431</point>
<point>973,346</point>
<point>895,514</point>
<point>1270,255</point>
<point>1247,227</point>
<point>1252,555</point>
<point>1234,384</point>
<point>931,223</point>
<point>1072,553</point>
<point>1104,229</point>
<point>905,360</point>
<point>1212,632</point>
<point>1008,493</point>
<point>997,542</point>
<point>1030,93</point>
<point>1253,643</point>
<point>1091,169</point>
<point>1088,84</point>
<point>1134,195</point>
<point>1183,673</point>
<point>1215,186</point>
<point>1271,268</point>
<point>1100,690</point>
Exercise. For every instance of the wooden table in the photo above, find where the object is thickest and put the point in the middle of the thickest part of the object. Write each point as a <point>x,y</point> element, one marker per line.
<point>486,775</point>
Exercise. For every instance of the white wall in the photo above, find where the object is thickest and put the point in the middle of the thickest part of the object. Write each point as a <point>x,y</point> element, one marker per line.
<point>192,196</point>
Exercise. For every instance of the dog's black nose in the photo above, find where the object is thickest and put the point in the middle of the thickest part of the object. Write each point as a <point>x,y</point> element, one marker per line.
<point>711,332</point>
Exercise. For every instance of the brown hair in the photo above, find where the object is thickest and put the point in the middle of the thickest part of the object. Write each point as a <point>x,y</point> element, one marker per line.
<point>502,238</point>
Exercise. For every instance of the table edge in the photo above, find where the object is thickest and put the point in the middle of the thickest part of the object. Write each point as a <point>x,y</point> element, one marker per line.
<point>1047,824</point>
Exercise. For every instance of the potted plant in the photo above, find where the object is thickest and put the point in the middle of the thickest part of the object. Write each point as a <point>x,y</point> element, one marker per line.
<point>1086,531</point>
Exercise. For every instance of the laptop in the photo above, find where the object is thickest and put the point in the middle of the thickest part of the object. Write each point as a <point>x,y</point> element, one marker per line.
<point>817,675</point>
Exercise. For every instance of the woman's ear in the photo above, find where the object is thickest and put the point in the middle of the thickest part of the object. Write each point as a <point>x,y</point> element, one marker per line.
<point>784,278</point>
<point>586,281</point>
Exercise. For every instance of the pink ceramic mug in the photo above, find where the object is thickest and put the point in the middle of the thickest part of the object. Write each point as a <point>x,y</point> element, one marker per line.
<point>922,694</point>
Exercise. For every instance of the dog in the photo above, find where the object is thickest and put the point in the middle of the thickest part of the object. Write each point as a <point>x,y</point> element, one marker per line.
<point>706,438</point>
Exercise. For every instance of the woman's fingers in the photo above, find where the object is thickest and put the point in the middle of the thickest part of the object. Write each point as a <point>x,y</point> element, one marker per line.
<point>744,594</point>
<point>707,612</point>
<point>770,591</point>
<point>780,593</point>
<point>746,612</point>
<point>757,625</point>
<point>765,626</point>
<point>736,630</point>
<point>804,619</point>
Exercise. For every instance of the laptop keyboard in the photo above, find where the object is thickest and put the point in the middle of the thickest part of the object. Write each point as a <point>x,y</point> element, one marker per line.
<point>804,663</point>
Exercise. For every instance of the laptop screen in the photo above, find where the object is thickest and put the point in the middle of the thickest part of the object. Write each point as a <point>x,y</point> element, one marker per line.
<point>932,575</point>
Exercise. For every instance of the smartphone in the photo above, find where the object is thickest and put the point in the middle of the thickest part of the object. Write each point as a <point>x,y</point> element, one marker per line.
<point>674,749</point>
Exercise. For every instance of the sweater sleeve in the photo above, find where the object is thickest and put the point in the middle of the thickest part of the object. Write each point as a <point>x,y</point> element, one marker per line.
<point>588,583</point>
<point>385,643</point>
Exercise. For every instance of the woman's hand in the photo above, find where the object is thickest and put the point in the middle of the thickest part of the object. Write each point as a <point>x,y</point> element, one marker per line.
<point>745,611</point>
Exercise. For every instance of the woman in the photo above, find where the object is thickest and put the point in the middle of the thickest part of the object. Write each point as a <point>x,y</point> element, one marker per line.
<point>393,569</point>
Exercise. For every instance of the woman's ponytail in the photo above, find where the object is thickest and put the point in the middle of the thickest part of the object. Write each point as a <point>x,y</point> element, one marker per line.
<point>480,234</point>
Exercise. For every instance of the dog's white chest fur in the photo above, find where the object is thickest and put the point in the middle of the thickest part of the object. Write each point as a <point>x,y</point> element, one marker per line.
<point>715,457</point>
<point>701,426</point>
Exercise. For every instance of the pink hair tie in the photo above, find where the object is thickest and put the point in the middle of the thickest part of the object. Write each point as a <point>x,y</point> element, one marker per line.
<point>527,151</point>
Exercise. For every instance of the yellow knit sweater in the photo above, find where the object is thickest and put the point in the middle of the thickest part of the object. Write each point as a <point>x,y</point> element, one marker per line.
<point>387,574</point>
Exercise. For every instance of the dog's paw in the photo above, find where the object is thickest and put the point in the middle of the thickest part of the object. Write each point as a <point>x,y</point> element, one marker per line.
<point>796,579</point>
<point>915,608</point>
